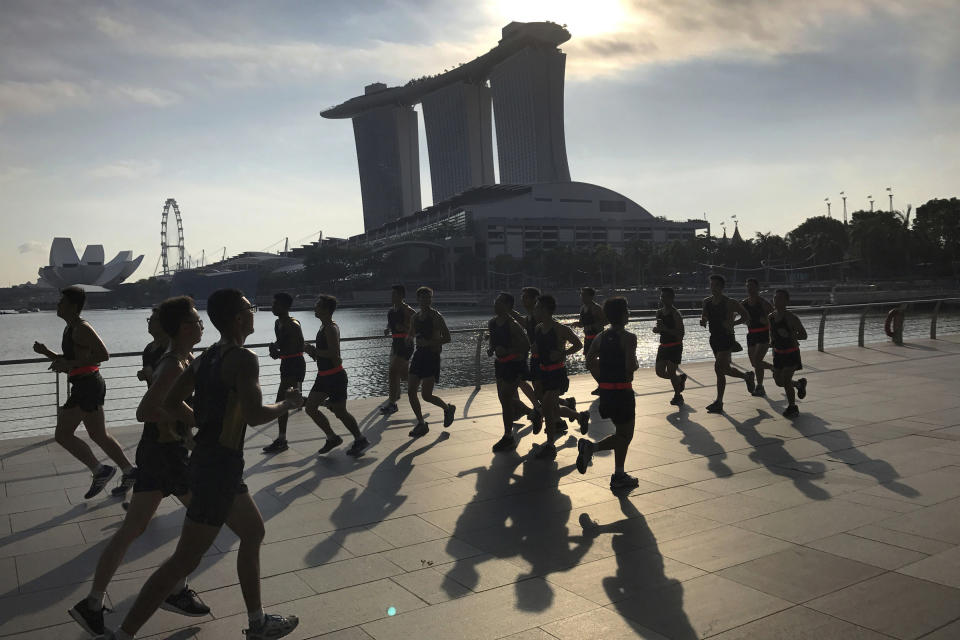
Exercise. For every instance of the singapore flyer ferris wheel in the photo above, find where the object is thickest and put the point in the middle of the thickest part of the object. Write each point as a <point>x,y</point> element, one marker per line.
<point>171,238</point>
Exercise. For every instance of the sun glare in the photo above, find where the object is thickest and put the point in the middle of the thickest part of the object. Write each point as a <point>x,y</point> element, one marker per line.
<point>583,18</point>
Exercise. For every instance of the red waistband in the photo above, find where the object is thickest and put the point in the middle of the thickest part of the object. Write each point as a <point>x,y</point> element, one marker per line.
<point>790,350</point>
<point>589,336</point>
<point>509,358</point>
<point>79,371</point>
<point>330,372</point>
<point>616,385</point>
<point>400,335</point>
<point>759,330</point>
<point>671,344</point>
<point>534,356</point>
<point>291,355</point>
<point>552,367</point>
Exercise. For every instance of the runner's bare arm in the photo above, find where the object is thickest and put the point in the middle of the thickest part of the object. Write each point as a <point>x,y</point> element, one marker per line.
<point>575,343</point>
<point>798,331</point>
<point>703,314</point>
<point>518,338</point>
<point>602,317</point>
<point>444,332</point>
<point>174,402</point>
<point>42,349</point>
<point>738,308</point>
<point>151,407</point>
<point>247,384</point>
<point>593,355</point>
<point>678,330</point>
<point>630,347</point>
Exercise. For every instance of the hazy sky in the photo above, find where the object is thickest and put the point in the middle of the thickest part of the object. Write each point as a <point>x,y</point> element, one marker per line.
<point>759,108</point>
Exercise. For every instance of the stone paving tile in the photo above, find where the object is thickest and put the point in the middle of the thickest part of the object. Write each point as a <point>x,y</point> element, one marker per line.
<point>799,574</point>
<point>348,573</point>
<point>878,492</point>
<point>599,624</point>
<point>799,623</point>
<point>698,608</point>
<point>947,632</point>
<point>878,554</point>
<point>942,568</point>
<point>721,547</point>
<point>490,614</point>
<point>894,604</point>
<point>431,586</point>
<point>811,521</point>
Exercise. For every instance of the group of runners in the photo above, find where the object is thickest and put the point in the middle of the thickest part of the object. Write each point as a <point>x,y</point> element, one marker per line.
<point>217,395</point>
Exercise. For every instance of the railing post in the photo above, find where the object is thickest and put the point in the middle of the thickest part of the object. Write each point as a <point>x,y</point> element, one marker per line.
<point>477,360</point>
<point>823,326</point>
<point>933,320</point>
<point>863,322</point>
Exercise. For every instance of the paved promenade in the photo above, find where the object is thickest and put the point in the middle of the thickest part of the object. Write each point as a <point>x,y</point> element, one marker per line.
<point>842,523</point>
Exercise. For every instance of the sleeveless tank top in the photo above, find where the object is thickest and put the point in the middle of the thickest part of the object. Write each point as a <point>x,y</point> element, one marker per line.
<point>612,358</point>
<point>717,317</point>
<point>781,343</point>
<point>423,328</point>
<point>588,321</point>
<point>67,345</point>
<point>216,405</point>
<point>396,320</point>
<point>286,343</point>
<point>757,316</point>
<point>667,322</point>
<point>499,333</point>
<point>547,342</point>
<point>323,364</point>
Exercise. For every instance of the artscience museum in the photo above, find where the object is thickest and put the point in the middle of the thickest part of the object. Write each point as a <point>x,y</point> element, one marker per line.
<point>66,268</point>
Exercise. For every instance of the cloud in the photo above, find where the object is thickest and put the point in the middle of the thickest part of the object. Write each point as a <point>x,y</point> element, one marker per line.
<point>147,96</point>
<point>126,170</point>
<point>32,246</point>
<point>40,97</point>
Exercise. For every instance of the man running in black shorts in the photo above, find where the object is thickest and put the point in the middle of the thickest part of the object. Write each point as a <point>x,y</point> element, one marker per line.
<point>331,385</point>
<point>509,344</point>
<point>567,406</point>
<point>431,333</point>
<point>227,398</point>
<point>670,329</point>
<point>592,320</point>
<point>718,312</point>
<point>161,465</point>
<point>401,348</point>
<point>83,351</point>
<point>288,348</point>
<point>758,331</point>
<point>550,346</point>
<point>612,360</point>
<point>786,330</point>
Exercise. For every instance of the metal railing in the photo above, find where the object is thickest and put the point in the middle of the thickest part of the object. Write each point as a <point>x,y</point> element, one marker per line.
<point>30,394</point>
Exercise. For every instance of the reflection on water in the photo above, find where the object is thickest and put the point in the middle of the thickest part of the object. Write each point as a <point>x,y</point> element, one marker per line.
<point>28,393</point>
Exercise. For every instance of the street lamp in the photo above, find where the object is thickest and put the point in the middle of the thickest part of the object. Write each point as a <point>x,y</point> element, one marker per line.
<point>827,200</point>
<point>844,196</point>
<point>890,191</point>
<point>870,198</point>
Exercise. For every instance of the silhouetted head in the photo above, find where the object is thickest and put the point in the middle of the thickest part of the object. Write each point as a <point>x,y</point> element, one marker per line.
<point>180,320</point>
<point>281,303</point>
<point>616,310</point>
<point>71,302</point>
<point>231,313</point>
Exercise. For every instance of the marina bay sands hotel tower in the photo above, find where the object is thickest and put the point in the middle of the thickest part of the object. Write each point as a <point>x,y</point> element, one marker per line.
<point>525,72</point>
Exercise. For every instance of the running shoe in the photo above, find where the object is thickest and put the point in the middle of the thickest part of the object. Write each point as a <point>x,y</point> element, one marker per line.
<point>448,415</point>
<point>583,419</point>
<point>584,454</point>
<point>622,481</point>
<point>546,452</point>
<point>186,602</point>
<point>801,388</point>
<point>330,444</point>
<point>100,480</point>
<point>677,400</point>
<point>561,429</point>
<point>390,407</point>
<point>570,402</point>
<point>716,407</point>
<point>506,443</point>
<point>595,392</point>
<point>89,618</point>
<point>537,422</point>
<point>683,382</point>
<point>126,483</point>
<point>277,446</point>
<point>750,378</point>
<point>356,449</point>
<point>272,627</point>
<point>759,391</point>
<point>420,430</point>
<point>791,411</point>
